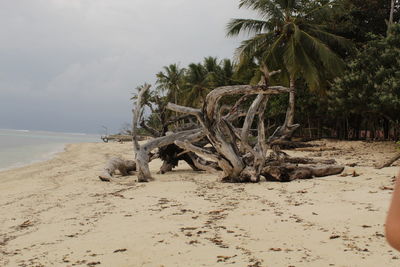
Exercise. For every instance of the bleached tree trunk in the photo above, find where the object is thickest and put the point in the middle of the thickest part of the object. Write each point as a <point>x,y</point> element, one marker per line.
<point>289,120</point>
<point>140,155</point>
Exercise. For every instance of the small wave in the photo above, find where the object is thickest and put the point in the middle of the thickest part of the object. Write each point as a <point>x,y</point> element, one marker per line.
<point>38,156</point>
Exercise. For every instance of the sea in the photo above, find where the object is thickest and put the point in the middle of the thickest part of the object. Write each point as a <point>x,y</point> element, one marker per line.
<point>23,147</point>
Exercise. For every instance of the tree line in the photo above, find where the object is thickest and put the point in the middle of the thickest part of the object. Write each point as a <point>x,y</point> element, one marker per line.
<point>340,58</point>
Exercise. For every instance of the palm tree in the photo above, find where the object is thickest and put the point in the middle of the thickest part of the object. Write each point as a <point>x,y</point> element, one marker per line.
<point>201,78</point>
<point>289,37</point>
<point>197,85</point>
<point>170,81</point>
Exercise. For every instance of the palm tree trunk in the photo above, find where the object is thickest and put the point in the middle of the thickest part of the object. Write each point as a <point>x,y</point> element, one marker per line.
<point>292,100</point>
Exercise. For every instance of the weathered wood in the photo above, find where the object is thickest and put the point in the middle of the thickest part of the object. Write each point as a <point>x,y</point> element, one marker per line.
<point>283,132</point>
<point>171,155</point>
<point>321,171</point>
<point>114,164</point>
<point>239,160</point>
<point>166,167</point>
<point>141,156</point>
<point>233,154</point>
<point>177,119</point>
<point>203,164</point>
<point>251,113</point>
<point>150,130</point>
<point>215,95</point>
<point>289,172</point>
<point>389,162</point>
<point>177,108</point>
<point>222,135</point>
<point>297,160</point>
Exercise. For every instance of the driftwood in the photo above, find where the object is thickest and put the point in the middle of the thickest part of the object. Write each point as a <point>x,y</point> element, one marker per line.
<point>114,164</point>
<point>171,155</point>
<point>287,173</point>
<point>142,151</point>
<point>237,158</point>
<point>388,162</point>
<point>233,152</point>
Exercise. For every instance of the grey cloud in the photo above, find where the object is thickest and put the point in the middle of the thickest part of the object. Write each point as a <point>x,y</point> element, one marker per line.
<point>72,65</point>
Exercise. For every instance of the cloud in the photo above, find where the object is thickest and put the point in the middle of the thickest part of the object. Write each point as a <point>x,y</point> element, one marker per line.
<point>71,65</point>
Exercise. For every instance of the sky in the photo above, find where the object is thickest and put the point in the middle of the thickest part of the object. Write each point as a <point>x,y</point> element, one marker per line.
<point>72,65</point>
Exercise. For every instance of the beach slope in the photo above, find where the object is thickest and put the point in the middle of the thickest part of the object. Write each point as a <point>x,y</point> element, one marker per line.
<point>58,213</point>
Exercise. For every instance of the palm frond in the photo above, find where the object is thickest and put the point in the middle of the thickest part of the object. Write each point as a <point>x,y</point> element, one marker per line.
<point>331,62</point>
<point>248,26</point>
<point>265,8</point>
<point>330,39</point>
<point>254,46</point>
<point>274,54</point>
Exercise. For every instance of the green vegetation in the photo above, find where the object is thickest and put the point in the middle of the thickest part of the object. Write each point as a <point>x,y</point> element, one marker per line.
<point>341,57</point>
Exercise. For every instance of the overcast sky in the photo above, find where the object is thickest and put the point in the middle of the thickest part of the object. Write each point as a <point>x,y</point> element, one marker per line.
<point>71,65</point>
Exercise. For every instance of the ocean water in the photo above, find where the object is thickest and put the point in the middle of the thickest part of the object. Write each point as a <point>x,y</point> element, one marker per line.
<point>22,147</point>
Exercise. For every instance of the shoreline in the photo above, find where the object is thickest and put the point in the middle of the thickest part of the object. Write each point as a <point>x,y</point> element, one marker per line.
<point>19,148</point>
<point>58,213</point>
<point>40,158</point>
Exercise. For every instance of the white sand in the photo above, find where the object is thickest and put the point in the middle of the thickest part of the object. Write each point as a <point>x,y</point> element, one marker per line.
<point>58,213</point>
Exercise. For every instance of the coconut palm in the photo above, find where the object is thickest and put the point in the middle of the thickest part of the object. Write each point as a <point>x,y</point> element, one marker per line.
<point>201,78</point>
<point>170,81</point>
<point>288,37</point>
<point>197,85</point>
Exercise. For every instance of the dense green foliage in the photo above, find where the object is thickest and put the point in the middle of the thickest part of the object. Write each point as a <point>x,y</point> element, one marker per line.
<point>341,50</point>
<point>369,92</point>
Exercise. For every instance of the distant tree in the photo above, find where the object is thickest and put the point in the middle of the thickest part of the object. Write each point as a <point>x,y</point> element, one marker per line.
<point>201,78</point>
<point>170,80</point>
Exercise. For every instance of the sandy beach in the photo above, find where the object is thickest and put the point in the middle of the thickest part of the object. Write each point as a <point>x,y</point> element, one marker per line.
<point>58,213</point>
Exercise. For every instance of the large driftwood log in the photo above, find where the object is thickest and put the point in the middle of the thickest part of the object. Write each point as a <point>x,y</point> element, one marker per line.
<point>388,162</point>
